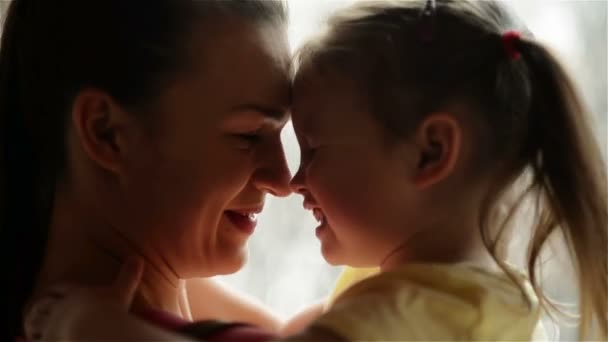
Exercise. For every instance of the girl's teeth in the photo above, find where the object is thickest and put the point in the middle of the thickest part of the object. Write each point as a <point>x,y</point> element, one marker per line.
<point>318,214</point>
<point>252,216</point>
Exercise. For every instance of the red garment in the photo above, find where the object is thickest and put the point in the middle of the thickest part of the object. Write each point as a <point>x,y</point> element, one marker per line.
<point>211,331</point>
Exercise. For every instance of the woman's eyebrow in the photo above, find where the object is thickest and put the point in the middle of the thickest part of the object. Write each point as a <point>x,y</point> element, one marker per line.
<point>275,113</point>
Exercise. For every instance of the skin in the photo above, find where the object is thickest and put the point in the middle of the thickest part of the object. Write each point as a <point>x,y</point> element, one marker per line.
<point>210,300</point>
<point>303,319</point>
<point>348,160</point>
<point>340,171</point>
<point>158,184</point>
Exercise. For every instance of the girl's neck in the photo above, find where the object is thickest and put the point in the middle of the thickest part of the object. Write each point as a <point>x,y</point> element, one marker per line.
<point>442,244</point>
<point>84,250</point>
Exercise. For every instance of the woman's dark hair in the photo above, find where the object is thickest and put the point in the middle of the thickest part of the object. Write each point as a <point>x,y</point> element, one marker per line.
<point>51,50</point>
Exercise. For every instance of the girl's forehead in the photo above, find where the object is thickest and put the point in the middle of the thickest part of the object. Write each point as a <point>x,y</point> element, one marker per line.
<point>328,109</point>
<point>324,92</point>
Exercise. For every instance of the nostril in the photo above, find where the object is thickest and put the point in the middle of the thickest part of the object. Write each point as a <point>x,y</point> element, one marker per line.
<point>301,191</point>
<point>297,188</point>
<point>297,183</point>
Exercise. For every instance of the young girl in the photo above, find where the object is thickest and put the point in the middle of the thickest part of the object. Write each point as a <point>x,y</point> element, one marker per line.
<point>425,128</point>
<point>419,123</point>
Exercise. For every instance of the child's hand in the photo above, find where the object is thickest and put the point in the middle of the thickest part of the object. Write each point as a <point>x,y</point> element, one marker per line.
<point>51,316</point>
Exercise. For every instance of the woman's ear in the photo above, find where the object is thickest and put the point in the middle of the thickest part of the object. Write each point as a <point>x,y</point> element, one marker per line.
<point>100,126</point>
<point>438,140</point>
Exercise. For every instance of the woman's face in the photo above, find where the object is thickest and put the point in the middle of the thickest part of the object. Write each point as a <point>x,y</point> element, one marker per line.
<point>214,151</point>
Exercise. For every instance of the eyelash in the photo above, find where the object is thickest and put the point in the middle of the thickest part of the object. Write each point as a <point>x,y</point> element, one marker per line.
<point>248,141</point>
<point>250,137</point>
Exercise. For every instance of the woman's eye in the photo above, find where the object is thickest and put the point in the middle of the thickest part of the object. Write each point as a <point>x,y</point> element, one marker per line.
<point>250,137</point>
<point>247,141</point>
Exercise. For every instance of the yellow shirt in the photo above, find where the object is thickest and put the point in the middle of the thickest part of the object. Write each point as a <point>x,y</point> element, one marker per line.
<point>349,277</point>
<point>433,302</point>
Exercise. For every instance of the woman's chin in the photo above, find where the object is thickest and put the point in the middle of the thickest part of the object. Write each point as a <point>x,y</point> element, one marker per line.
<point>234,266</point>
<point>232,263</point>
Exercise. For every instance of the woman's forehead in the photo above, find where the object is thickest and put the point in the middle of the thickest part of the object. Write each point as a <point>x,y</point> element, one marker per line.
<point>240,66</point>
<point>253,57</point>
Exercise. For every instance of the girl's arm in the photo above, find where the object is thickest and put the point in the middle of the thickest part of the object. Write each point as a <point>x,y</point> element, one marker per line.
<point>210,300</point>
<point>93,313</point>
<point>83,316</point>
<point>84,321</point>
<point>81,313</point>
<point>314,334</point>
<point>303,319</point>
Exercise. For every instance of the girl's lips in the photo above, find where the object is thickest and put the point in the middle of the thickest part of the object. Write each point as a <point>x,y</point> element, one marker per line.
<point>318,214</point>
<point>320,217</point>
<point>321,229</point>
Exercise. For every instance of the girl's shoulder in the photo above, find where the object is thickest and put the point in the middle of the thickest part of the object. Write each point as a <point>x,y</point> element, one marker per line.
<point>433,301</point>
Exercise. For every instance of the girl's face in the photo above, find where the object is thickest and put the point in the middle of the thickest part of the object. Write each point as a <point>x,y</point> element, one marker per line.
<point>351,177</point>
<point>199,174</point>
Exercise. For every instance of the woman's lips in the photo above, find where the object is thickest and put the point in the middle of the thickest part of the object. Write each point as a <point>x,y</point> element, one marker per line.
<point>244,220</point>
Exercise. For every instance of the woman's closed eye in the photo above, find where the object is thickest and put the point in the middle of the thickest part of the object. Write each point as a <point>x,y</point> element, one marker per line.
<point>247,140</point>
<point>252,137</point>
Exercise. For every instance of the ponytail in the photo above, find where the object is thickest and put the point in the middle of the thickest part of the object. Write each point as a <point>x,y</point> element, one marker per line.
<point>571,178</point>
<point>23,216</point>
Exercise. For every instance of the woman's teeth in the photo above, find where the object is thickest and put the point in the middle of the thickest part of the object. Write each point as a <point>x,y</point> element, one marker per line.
<point>250,215</point>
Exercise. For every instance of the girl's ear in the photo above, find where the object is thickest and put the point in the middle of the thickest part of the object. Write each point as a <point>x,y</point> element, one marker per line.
<point>438,141</point>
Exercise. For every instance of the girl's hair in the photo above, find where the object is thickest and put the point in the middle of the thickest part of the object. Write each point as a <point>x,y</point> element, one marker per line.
<point>414,57</point>
<point>50,50</point>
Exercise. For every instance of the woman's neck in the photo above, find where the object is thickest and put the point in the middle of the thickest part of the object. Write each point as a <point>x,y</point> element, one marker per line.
<point>84,249</point>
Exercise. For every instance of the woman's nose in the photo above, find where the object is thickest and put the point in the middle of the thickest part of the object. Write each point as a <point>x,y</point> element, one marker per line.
<point>273,174</point>
<point>297,182</point>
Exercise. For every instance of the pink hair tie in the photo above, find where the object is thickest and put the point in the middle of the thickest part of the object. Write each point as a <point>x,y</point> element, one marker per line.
<point>509,40</point>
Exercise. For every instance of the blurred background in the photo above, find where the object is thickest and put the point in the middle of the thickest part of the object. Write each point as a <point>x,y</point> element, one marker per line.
<point>286,271</point>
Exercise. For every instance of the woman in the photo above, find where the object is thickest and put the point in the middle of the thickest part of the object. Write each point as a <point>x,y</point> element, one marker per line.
<point>138,128</point>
